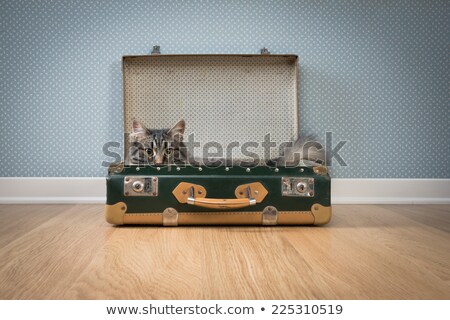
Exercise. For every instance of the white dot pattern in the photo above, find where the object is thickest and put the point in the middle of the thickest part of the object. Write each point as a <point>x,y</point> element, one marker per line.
<point>375,73</point>
<point>223,99</point>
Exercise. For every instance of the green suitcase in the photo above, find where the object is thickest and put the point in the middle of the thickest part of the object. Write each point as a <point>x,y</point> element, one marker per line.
<point>226,99</point>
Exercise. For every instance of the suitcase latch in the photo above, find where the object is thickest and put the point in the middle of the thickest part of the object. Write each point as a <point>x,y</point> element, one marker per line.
<point>297,187</point>
<point>139,186</point>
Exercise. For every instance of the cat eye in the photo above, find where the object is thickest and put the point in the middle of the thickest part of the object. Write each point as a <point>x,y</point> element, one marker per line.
<point>168,151</point>
<point>149,152</point>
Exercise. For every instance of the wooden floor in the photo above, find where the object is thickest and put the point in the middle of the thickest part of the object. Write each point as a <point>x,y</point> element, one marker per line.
<point>366,252</point>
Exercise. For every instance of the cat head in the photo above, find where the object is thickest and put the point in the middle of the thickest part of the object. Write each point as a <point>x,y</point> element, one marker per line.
<point>155,146</point>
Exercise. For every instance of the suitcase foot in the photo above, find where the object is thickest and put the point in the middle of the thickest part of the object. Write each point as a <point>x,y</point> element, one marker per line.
<point>114,213</point>
<point>322,214</point>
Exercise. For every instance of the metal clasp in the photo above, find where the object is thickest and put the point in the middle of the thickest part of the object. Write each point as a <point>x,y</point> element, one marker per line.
<point>269,216</point>
<point>297,187</point>
<point>140,186</point>
<point>170,217</point>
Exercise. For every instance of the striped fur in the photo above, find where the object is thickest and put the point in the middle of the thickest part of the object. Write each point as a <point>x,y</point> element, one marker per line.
<point>157,146</point>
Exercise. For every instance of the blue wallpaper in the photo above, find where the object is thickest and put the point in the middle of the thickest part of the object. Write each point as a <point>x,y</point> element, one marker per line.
<point>375,73</point>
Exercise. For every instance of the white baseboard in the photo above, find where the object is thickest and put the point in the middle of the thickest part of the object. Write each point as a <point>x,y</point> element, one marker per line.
<point>390,191</point>
<point>52,190</point>
<point>344,191</point>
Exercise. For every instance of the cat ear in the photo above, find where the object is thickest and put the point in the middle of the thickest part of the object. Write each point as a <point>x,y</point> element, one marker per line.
<point>178,129</point>
<point>138,127</point>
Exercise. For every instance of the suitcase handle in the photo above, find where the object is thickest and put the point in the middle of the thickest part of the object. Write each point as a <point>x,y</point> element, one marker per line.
<point>212,203</point>
<point>246,195</point>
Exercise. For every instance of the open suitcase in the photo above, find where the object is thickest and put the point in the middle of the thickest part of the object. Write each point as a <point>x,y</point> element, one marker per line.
<point>228,99</point>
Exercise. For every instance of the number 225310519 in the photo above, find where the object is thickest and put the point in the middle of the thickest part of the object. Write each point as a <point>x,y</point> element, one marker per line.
<point>307,309</point>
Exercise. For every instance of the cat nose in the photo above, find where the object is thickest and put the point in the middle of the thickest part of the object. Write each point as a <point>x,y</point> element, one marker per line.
<point>158,159</point>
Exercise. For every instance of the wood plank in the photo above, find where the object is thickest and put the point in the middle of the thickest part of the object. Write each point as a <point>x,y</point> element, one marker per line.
<point>387,257</point>
<point>144,263</point>
<point>17,220</point>
<point>44,262</point>
<point>366,252</point>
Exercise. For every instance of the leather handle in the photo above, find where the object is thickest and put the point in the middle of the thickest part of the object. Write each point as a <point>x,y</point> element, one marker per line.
<point>195,195</point>
<point>212,203</point>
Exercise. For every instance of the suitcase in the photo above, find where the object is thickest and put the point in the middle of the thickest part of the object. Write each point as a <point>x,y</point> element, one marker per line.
<point>225,99</point>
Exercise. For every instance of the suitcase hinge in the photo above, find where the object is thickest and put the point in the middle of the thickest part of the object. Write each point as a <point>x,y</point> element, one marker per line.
<point>156,50</point>
<point>265,51</point>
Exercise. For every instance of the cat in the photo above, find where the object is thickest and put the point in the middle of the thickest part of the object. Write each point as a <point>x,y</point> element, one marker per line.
<point>165,146</point>
<point>157,146</point>
<point>305,150</point>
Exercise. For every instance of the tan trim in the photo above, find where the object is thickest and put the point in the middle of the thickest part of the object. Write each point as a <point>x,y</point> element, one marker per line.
<point>143,218</point>
<point>222,218</point>
<point>212,218</point>
<point>114,213</point>
<point>257,191</point>
<point>320,170</point>
<point>322,215</point>
<point>295,218</point>
<point>182,191</point>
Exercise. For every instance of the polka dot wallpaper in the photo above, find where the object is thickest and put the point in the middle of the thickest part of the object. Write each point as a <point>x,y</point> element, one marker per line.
<point>375,73</point>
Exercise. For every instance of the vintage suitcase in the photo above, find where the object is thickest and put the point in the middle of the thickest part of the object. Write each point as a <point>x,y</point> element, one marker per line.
<point>228,100</point>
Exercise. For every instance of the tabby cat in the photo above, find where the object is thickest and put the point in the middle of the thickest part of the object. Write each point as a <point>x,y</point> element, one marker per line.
<point>305,150</point>
<point>157,146</point>
<point>165,146</point>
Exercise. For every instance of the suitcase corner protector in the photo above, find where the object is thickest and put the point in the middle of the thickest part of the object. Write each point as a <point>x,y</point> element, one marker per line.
<point>322,214</point>
<point>114,213</point>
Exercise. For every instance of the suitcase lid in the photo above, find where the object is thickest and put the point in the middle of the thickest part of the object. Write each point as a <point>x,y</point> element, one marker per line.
<point>224,98</point>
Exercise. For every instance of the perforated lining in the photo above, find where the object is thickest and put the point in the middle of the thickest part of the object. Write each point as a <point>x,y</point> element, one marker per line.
<point>223,98</point>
